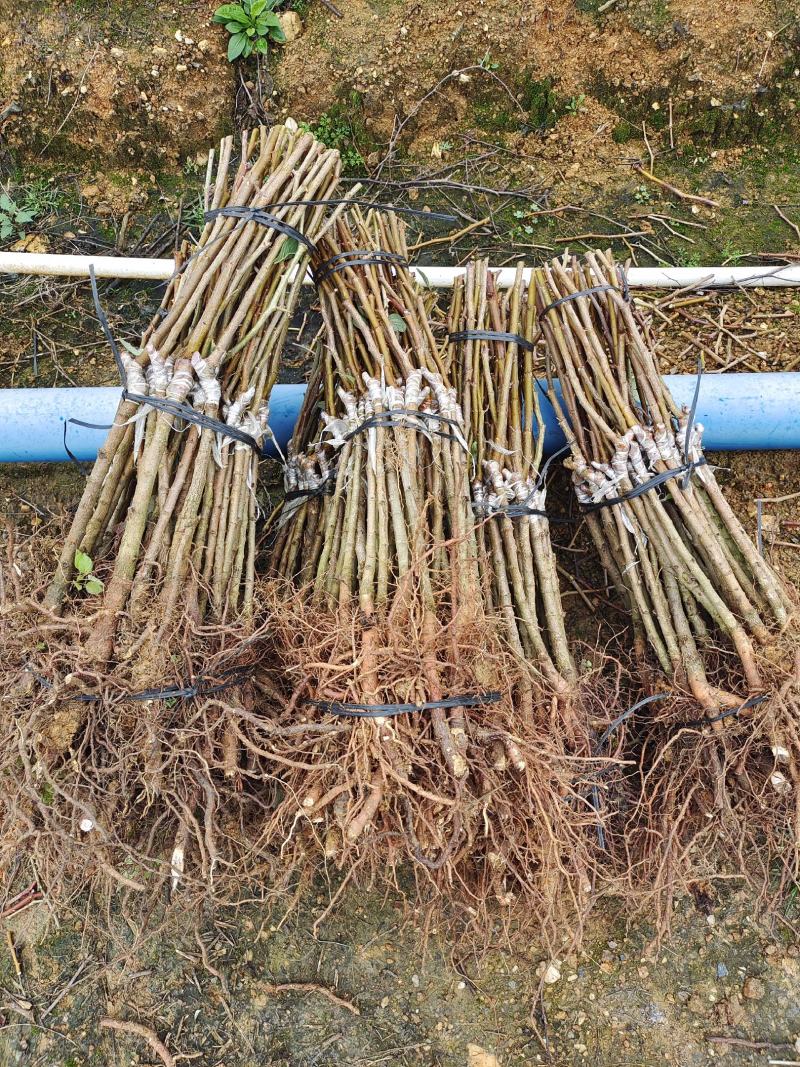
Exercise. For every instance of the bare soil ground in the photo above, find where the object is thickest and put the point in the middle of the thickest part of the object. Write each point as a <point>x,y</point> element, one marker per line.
<point>116,106</point>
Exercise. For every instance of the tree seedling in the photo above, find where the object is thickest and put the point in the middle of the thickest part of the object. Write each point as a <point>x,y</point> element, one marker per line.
<point>85,581</point>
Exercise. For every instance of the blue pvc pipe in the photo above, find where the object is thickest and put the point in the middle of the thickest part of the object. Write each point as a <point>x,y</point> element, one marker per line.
<point>741,412</point>
<point>32,421</point>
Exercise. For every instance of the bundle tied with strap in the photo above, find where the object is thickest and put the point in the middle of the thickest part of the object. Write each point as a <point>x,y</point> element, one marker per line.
<point>709,614</point>
<point>407,741</point>
<point>156,579</point>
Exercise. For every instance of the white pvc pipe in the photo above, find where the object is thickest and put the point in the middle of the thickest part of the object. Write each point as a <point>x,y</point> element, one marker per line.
<point>128,267</point>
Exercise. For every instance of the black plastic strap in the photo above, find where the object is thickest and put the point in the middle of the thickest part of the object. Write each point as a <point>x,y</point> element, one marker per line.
<point>751,702</point>
<point>262,218</point>
<point>201,687</point>
<point>519,511</point>
<point>84,468</point>
<point>357,257</point>
<point>190,414</point>
<point>103,320</point>
<point>373,204</point>
<point>645,487</point>
<point>378,711</point>
<point>492,335</point>
<point>620,719</point>
<point>594,795</point>
<point>575,296</point>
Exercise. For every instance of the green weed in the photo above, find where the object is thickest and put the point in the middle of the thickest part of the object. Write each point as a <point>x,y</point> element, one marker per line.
<point>341,128</point>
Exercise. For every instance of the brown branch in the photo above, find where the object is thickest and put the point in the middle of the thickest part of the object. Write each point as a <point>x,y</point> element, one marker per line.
<point>741,1042</point>
<point>450,238</point>
<point>788,222</point>
<point>706,201</point>
<point>313,987</point>
<point>148,1035</point>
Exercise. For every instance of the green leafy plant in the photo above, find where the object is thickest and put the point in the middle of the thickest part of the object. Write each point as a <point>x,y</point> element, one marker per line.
<point>337,128</point>
<point>575,103</point>
<point>525,227</point>
<point>85,581</point>
<point>642,195</point>
<point>252,24</point>
<point>13,217</point>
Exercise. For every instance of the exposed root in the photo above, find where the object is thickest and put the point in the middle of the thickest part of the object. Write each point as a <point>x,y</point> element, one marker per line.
<point>513,825</point>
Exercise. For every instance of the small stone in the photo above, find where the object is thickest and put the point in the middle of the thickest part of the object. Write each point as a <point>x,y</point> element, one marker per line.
<point>90,191</point>
<point>550,973</point>
<point>722,970</point>
<point>291,24</point>
<point>753,989</point>
<point>415,980</point>
<point>117,53</point>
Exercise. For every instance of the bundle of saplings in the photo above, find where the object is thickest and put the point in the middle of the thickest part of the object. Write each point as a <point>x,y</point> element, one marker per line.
<point>718,785</point>
<point>403,739</point>
<point>494,356</point>
<point>126,678</point>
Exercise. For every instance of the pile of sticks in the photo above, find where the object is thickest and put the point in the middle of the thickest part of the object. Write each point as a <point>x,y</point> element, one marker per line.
<point>384,673</point>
